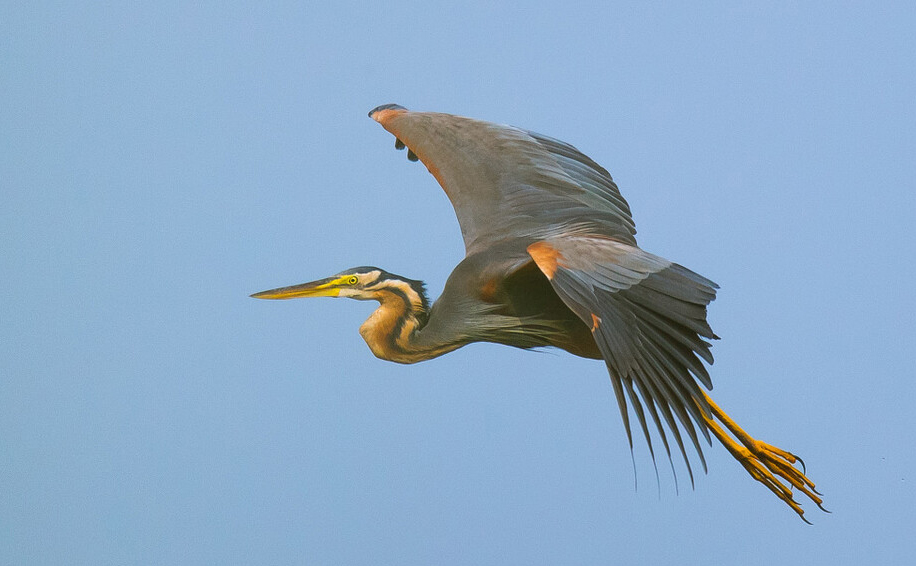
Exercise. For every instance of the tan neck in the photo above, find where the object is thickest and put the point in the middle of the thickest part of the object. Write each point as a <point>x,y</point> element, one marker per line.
<point>390,331</point>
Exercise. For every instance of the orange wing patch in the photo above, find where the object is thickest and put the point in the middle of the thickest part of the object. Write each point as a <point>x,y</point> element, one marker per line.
<point>546,257</point>
<point>596,322</point>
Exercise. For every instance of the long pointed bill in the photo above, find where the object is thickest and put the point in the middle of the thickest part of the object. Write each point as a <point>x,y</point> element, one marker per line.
<point>329,287</point>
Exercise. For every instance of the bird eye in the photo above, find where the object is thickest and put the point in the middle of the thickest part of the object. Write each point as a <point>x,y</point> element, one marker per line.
<point>352,280</point>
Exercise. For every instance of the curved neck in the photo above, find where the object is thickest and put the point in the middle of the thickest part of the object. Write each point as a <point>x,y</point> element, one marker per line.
<point>391,331</point>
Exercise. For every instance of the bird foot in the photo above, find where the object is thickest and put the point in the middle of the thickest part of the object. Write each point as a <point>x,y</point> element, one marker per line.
<point>772,466</point>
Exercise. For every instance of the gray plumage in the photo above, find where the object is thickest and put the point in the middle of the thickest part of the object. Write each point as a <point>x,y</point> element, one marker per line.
<point>552,260</point>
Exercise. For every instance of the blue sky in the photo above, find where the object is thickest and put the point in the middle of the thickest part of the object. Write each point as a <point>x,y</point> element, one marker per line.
<point>159,164</point>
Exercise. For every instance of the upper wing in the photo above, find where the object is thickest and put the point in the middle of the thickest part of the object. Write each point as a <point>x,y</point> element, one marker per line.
<point>648,317</point>
<point>506,182</point>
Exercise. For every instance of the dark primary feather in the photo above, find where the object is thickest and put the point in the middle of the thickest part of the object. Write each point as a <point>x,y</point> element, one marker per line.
<point>652,317</point>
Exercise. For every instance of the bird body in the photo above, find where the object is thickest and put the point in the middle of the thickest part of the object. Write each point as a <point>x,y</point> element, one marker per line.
<point>552,260</point>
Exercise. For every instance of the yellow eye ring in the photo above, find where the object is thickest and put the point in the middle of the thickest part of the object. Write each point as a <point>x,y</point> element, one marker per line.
<point>352,280</point>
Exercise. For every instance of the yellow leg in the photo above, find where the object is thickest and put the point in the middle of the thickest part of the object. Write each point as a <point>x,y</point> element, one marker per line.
<point>766,463</point>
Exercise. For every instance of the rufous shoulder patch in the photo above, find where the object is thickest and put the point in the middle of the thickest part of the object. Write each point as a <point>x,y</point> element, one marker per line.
<point>546,257</point>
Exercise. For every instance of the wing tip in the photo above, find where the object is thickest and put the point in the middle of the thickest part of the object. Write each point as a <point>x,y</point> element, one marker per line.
<point>381,113</point>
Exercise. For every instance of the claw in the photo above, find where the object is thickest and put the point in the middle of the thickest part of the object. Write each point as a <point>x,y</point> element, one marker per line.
<point>768,464</point>
<point>802,462</point>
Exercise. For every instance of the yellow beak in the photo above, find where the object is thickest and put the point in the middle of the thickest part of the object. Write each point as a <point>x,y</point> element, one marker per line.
<point>322,288</point>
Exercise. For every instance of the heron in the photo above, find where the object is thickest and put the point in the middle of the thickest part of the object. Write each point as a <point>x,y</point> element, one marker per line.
<point>552,261</point>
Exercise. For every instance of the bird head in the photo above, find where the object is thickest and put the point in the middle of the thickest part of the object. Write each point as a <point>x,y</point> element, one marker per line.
<point>362,283</point>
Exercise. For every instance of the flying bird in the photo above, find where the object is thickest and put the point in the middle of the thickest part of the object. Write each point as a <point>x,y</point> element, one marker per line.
<point>552,260</point>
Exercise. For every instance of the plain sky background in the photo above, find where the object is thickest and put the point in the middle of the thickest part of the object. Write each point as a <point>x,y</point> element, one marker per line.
<point>160,163</point>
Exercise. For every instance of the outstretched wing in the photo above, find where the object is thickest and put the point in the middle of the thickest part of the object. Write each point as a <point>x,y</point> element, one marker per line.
<point>505,182</point>
<point>648,317</point>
